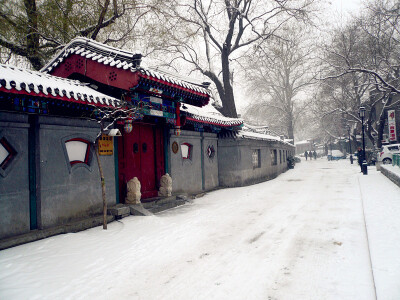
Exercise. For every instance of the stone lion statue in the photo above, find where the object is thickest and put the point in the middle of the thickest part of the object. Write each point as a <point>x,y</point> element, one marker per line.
<point>133,194</point>
<point>165,186</point>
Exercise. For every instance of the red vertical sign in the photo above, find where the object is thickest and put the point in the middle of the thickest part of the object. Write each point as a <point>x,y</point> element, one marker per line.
<point>392,125</point>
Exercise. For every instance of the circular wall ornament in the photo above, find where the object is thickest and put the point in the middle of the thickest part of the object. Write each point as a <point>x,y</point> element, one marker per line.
<point>175,147</point>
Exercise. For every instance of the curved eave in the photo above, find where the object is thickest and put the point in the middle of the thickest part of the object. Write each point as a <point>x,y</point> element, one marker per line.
<point>174,85</point>
<point>87,100</point>
<point>215,122</point>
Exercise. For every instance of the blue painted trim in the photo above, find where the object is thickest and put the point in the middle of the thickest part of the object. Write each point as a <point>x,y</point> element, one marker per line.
<point>32,149</point>
<point>203,185</point>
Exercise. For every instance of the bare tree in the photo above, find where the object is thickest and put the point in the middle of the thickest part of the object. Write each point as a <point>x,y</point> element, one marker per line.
<point>212,35</point>
<point>279,74</point>
<point>107,118</point>
<point>35,30</point>
<point>364,63</point>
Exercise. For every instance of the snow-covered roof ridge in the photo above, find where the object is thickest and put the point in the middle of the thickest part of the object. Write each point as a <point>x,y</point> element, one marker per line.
<point>176,79</point>
<point>96,51</point>
<point>263,129</point>
<point>119,59</point>
<point>38,83</point>
<point>208,114</point>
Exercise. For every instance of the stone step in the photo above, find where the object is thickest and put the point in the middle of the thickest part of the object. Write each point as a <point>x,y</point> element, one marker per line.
<point>148,208</point>
<point>164,205</point>
<point>119,211</point>
<point>139,210</point>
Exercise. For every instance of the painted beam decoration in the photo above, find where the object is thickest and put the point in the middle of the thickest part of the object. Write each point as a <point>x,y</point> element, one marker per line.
<point>155,106</point>
<point>157,84</point>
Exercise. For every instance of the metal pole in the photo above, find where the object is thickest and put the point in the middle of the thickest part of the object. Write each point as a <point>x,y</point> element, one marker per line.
<point>364,163</point>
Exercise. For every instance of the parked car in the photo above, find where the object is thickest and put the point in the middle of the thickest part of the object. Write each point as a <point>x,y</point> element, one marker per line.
<point>335,155</point>
<point>386,154</point>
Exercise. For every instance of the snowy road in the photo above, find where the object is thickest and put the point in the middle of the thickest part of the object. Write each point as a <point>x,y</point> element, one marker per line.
<point>300,236</point>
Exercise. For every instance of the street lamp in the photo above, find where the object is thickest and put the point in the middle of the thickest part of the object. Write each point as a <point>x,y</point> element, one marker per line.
<point>361,113</point>
<point>351,153</point>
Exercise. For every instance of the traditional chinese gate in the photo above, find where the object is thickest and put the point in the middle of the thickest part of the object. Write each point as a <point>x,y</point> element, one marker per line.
<point>140,154</point>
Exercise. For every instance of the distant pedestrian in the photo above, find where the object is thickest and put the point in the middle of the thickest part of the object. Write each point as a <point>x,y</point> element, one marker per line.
<point>306,154</point>
<point>360,157</point>
<point>315,155</point>
<point>310,155</point>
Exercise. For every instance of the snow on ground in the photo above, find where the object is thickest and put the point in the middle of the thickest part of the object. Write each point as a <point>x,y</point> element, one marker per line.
<point>381,200</point>
<point>299,236</point>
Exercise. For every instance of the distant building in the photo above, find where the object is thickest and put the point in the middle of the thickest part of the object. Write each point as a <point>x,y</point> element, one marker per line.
<point>303,146</point>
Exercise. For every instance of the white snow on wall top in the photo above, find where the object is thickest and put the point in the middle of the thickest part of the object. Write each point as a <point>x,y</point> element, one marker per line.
<point>261,136</point>
<point>302,142</point>
<point>209,114</point>
<point>35,82</point>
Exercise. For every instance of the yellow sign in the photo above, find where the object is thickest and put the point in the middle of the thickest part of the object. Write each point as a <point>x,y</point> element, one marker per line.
<point>106,145</point>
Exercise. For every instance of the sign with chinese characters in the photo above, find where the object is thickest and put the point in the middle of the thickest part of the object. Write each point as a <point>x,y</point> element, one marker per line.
<point>392,125</point>
<point>106,146</point>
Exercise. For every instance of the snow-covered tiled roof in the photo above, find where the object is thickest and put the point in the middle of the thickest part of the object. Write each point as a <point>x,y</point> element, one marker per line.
<point>174,80</point>
<point>44,85</point>
<point>208,114</point>
<point>96,51</point>
<point>117,58</point>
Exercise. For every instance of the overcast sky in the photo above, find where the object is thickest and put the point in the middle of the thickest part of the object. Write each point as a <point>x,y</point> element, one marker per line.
<point>346,6</point>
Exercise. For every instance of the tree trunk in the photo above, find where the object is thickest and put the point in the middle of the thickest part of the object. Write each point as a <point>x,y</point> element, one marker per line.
<point>103,184</point>
<point>290,128</point>
<point>381,127</point>
<point>369,129</point>
<point>67,11</point>
<point>228,99</point>
<point>101,19</point>
<point>32,36</point>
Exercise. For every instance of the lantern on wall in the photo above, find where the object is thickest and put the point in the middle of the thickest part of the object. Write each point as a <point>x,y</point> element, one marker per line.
<point>177,130</point>
<point>128,126</point>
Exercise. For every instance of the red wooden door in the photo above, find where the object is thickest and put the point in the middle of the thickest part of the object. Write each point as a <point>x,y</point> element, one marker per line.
<point>147,174</point>
<point>140,155</point>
